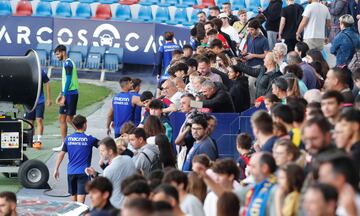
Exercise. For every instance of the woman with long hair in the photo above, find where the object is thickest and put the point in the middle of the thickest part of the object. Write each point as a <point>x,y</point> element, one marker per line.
<point>314,55</point>
<point>167,157</point>
<point>197,186</point>
<point>293,87</point>
<point>228,204</point>
<point>153,127</point>
<point>287,195</point>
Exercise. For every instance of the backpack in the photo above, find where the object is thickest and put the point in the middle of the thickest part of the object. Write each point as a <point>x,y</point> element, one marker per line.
<point>355,61</point>
<point>155,163</point>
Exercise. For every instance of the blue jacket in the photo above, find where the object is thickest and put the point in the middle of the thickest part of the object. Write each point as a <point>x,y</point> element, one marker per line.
<point>344,47</point>
<point>354,9</point>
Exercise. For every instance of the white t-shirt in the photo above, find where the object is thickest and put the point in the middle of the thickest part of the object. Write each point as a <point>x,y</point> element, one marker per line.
<point>341,211</point>
<point>176,99</point>
<point>232,33</point>
<point>317,14</point>
<point>210,204</point>
<point>191,205</point>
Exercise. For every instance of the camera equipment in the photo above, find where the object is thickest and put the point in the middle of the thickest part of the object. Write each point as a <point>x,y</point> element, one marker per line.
<point>20,83</point>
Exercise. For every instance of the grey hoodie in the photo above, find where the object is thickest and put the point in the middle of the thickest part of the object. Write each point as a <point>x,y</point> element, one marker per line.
<point>145,157</point>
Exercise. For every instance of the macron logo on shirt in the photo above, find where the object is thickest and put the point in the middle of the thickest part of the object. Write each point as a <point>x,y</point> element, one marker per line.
<point>78,141</point>
<point>121,100</point>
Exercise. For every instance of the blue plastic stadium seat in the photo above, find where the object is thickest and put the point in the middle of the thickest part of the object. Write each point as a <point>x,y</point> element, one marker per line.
<point>168,3</point>
<point>42,56</point>
<point>145,14</point>
<point>238,4</point>
<point>149,2</point>
<point>108,1</point>
<point>284,4</point>
<point>93,61</point>
<point>5,8</point>
<point>119,52</point>
<point>193,18</point>
<point>80,49</point>
<point>66,1</point>
<point>63,9</point>
<point>83,11</point>
<point>265,4</point>
<point>189,3</point>
<point>43,9</point>
<point>220,2</point>
<point>254,5</point>
<point>54,61</point>
<point>46,47</point>
<point>162,15</point>
<point>298,2</point>
<point>87,1</point>
<point>77,58</point>
<point>100,50</point>
<point>122,12</point>
<point>180,17</point>
<point>111,62</point>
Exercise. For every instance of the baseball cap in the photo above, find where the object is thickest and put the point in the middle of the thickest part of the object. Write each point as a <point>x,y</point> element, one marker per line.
<point>223,15</point>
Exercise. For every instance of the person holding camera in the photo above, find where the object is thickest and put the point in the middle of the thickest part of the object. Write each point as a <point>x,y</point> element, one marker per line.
<point>185,139</point>
<point>215,98</point>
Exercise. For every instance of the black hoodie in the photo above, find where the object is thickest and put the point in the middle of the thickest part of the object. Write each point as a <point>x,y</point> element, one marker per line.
<point>240,95</point>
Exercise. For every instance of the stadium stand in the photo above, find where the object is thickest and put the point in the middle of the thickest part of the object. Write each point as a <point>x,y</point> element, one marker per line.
<point>122,12</point>
<point>43,9</point>
<point>128,2</point>
<point>83,11</point>
<point>144,15</point>
<point>103,12</point>
<point>5,8</point>
<point>253,5</point>
<point>239,4</point>
<point>63,9</point>
<point>23,8</point>
<point>162,15</point>
<point>180,17</point>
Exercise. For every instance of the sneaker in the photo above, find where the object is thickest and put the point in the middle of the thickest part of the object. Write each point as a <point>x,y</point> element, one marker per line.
<point>37,145</point>
<point>57,149</point>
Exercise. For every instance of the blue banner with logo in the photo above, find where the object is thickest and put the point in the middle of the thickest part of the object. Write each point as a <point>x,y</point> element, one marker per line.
<point>19,34</point>
<point>140,41</point>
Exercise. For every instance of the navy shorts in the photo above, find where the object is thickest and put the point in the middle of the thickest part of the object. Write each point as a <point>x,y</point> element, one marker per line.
<point>38,112</point>
<point>70,105</point>
<point>77,183</point>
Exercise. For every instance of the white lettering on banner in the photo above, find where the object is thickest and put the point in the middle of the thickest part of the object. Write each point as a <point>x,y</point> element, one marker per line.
<point>149,44</point>
<point>160,41</point>
<point>39,33</point>
<point>23,34</point>
<point>104,35</point>
<point>127,44</point>
<point>106,39</point>
<point>81,35</point>
<point>66,31</point>
<point>4,33</point>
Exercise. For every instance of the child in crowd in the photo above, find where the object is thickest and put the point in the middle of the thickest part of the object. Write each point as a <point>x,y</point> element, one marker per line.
<point>243,146</point>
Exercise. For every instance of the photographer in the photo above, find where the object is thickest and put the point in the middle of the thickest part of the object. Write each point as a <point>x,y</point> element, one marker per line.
<point>215,98</point>
<point>185,139</point>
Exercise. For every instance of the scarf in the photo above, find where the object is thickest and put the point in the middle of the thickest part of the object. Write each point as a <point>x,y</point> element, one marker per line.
<point>256,198</point>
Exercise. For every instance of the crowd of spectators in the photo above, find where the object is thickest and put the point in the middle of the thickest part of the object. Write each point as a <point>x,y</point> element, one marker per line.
<point>303,155</point>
